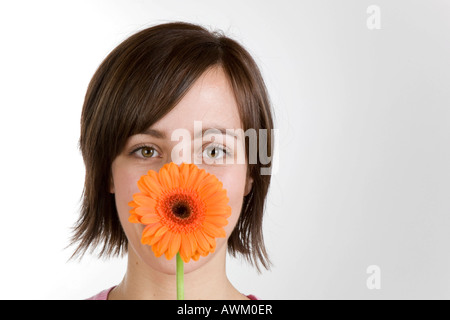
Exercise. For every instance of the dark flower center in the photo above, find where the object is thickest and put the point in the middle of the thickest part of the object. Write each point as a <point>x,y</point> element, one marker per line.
<point>181,210</point>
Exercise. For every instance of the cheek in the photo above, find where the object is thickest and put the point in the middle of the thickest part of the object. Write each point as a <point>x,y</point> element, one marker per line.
<point>125,180</point>
<point>125,185</point>
<point>234,182</point>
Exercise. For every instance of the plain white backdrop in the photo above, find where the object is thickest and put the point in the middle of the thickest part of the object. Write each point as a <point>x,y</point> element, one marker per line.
<point>364,142</point>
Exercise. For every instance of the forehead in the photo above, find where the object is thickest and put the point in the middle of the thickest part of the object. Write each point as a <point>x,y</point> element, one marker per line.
<point>210,100</point>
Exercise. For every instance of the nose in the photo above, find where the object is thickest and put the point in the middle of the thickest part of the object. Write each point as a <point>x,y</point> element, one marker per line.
<point>181,151</point>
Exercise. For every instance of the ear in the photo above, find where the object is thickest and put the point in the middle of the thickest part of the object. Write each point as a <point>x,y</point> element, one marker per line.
<point>248,186</point>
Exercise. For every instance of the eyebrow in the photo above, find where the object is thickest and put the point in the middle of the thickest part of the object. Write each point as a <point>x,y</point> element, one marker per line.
<point>155,133</point>
<point>162,135</point>
<point>224,131</point>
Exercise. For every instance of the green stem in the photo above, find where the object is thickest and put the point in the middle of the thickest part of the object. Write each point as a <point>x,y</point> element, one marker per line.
<point>180,278</point>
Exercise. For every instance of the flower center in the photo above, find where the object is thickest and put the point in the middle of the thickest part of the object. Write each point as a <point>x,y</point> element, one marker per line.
<point>181,209</point>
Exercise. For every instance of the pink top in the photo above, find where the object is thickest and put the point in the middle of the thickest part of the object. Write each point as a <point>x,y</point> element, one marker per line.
<point>103,295</point>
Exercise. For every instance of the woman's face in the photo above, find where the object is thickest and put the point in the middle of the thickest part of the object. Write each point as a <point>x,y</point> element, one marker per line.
<point>211,104</point>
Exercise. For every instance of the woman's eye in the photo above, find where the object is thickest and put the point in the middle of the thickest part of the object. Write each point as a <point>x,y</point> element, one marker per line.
<point>214,152</point>
<point>147,152</point>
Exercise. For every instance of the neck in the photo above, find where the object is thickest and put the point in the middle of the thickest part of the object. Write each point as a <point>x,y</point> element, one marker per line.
<point>209,281</point>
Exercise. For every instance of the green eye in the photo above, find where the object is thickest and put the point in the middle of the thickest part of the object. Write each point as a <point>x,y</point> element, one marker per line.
<point>214,152</point>
<point>148,152</point>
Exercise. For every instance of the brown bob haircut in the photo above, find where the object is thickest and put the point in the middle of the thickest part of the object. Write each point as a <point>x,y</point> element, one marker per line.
<point>137,84</point>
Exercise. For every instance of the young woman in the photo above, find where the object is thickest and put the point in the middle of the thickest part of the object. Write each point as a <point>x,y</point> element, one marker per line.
<point>162,79</point>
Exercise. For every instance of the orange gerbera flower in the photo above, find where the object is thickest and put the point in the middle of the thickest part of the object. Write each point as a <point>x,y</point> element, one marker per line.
<point>184,209</point>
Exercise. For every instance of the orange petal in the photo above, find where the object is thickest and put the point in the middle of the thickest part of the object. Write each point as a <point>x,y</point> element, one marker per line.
<point>196,256</point>
<point>223,211</point>
<point>185,248</point>
<point>227,212</point>
<point>143,211</point>
<point>151,229</point>
<point>133,219</point>
<point>203,244</point>
<point>218,221</point>
<point>219,196</point>
<point>155,248</point>
<point>148,185</point>
<point>161,231</point>
<point>184,175</point>
<point>211,241</point>
<point>152,240</point>
<point>153,175</point>
<point>192,242</point>
<point>142,200</point>
<point>195,178</point>
<point>213,231</point>
<point>164,178</point>
<point>174,246</point>
<point>132,204</point>
<point>149,240</point>
<point>174,174</point>
<point>207,193</point>
<point>207,182</point>
<point>165,241</point>
<point>150,219</point>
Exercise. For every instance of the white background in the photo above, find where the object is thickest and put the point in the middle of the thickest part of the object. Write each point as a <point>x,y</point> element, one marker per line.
<point>364,157</point>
